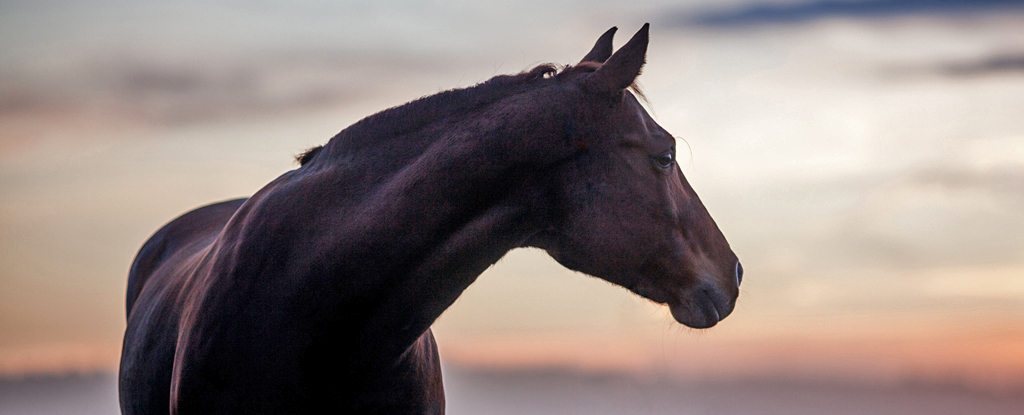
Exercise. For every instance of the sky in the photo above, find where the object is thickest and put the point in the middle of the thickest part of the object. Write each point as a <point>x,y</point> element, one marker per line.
<point>865,160</point>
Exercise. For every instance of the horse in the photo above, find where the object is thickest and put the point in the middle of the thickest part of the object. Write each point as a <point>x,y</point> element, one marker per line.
<point>317,293</point>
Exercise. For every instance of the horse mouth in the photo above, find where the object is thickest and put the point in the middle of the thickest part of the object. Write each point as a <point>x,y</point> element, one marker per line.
<point>700,310</point>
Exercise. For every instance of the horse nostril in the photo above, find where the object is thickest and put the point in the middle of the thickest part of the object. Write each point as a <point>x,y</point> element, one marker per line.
<point>739,273</point>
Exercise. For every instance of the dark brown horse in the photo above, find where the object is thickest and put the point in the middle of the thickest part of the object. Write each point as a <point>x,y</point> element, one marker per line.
<point>317,293</point>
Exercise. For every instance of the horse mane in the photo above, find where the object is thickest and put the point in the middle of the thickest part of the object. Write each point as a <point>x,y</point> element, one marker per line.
<point>308,155</point>
<point>418,113</point>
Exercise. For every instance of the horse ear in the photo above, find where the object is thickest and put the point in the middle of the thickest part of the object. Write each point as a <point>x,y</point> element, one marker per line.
<point>602,49</point>
<point>622,68</point>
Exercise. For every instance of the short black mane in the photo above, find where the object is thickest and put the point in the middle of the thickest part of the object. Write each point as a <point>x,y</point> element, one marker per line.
<point>308,155</point>
<point>418,113</point>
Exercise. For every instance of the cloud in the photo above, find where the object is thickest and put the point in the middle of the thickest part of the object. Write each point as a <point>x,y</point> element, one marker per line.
<point>161,91</point>
<point>756,14</point>
<point>1003,63</point>
<point>103,94</point>
<point>937,215</point>
<point>1009,63</point>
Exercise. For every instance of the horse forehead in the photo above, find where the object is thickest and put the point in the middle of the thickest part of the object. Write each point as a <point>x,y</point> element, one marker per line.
<point>642,127</point>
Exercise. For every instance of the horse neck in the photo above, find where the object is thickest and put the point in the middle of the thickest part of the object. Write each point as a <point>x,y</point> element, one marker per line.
<point>435,224</point>
<point>416,300</point>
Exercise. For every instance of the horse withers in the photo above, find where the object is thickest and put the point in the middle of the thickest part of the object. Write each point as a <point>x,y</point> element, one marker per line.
<point>317,293</point>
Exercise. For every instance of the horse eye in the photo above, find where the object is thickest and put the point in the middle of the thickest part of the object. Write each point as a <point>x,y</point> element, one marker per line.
<point>664,160</point>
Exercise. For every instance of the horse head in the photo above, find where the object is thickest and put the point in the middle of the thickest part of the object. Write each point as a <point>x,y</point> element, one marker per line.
<point>622,210</point>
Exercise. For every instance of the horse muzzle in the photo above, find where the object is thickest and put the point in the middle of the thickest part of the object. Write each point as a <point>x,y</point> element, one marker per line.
<point>704,305</point>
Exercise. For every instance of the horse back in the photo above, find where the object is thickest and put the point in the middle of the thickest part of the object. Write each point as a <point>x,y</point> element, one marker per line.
<point>154,282</point>
<point>197,224</point>
<point>150,370</point>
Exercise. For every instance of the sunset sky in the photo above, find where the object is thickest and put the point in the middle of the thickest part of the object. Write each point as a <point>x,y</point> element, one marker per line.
<point>865,160</point>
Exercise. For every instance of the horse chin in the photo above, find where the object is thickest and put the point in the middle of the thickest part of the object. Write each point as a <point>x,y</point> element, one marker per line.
<point>699,312</point>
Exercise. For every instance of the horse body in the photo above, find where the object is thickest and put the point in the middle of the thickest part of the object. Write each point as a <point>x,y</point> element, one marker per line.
<point>318,292</point>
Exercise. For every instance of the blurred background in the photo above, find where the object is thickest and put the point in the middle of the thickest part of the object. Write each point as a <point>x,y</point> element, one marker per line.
<point>865,158</point>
